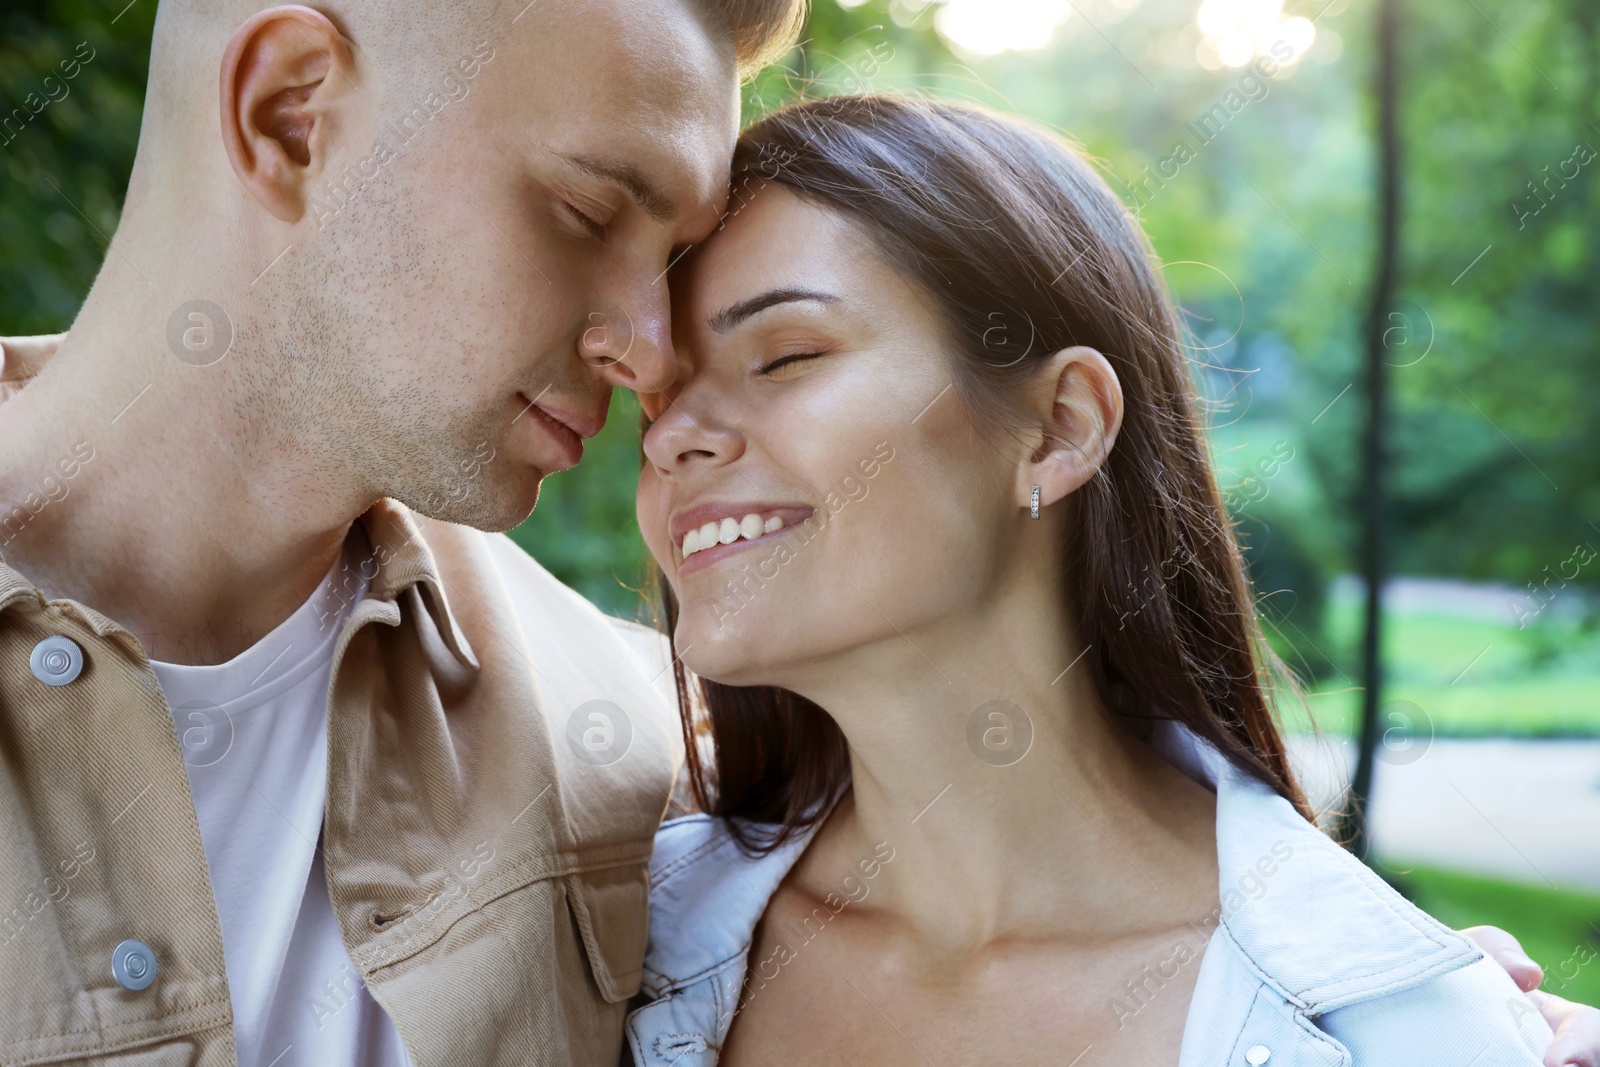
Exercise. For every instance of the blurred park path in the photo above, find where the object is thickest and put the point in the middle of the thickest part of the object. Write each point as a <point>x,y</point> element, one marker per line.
<point>1522,810</point>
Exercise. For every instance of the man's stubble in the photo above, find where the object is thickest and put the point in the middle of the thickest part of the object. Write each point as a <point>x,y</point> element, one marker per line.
<point>365,383</point>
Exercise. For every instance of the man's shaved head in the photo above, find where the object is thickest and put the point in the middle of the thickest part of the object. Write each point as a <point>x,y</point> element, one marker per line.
<point>400,37</point>
<point>395,38</point>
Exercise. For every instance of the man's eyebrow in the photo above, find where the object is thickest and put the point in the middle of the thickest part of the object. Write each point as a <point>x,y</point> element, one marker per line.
<point>656,204</point>
<point>734,314</point>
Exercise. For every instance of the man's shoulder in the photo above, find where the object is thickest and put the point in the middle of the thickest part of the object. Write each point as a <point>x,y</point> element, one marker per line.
<point>605,685</point>
<point>586,662</point>
<point>524,571</point>
<point>551,613</point>
<point>561,615</point>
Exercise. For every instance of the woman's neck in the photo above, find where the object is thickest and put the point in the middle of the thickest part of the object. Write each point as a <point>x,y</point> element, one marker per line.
<point>1078,831</point>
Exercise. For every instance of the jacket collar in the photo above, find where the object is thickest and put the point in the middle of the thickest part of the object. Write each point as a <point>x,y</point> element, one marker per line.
<point>402,559</point>
<point>707,896</point>
<point>399,560</point>
<point>1287,892</point>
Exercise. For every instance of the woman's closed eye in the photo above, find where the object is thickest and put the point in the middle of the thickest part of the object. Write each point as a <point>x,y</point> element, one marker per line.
<point>776,367</point>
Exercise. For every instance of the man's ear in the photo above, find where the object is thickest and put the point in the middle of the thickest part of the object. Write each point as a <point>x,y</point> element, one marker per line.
<point>286,73</point>
<point>1077,401</point>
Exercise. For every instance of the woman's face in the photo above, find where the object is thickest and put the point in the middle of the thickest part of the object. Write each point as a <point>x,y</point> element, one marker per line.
<point>834,494</point>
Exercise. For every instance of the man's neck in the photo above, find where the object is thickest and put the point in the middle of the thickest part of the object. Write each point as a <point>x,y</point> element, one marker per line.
<point>133,487</point>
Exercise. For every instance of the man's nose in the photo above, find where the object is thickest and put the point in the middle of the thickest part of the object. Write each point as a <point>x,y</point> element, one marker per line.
<point>629,342</point>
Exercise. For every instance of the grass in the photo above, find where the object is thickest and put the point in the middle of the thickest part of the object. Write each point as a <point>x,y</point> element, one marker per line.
<point>1468,676</point>
<point>1471,675</point>
<point>1532,707</point>
<point>1560,929</point>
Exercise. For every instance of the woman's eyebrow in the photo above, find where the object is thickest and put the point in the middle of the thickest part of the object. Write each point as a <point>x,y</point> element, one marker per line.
<point>734,314</point>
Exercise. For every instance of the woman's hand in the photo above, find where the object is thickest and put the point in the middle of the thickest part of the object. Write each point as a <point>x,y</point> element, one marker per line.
<point>1577,1026</point>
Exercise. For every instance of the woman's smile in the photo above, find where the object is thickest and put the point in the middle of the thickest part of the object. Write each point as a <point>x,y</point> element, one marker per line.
<point>710,532</point>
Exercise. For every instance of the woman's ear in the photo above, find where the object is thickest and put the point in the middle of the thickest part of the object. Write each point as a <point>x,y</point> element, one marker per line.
<point>286,78</point>
<point>1077,400</point>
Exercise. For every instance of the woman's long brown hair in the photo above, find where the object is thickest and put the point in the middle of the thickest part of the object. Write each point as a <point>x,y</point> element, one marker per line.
<point>1026,252</point>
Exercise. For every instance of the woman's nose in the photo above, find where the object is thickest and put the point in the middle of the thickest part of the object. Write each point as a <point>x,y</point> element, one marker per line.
<point>688,433</point>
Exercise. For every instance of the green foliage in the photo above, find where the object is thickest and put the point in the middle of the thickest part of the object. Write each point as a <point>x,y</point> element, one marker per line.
<point>65,167</point>
<point>869,48</point>
<point>1495,370</point>
<point>1473,673</point>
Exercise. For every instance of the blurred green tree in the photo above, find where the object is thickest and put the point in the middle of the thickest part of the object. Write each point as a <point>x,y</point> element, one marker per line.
<point>66,148</point>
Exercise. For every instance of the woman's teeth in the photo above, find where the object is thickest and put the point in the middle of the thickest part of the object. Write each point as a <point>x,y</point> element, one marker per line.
<point>727,532</point>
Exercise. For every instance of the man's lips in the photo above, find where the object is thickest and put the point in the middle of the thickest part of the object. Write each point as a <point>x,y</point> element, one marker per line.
<point>567,429</point>
<point>585,426</point>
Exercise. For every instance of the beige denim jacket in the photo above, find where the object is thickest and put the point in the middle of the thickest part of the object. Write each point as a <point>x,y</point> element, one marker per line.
<point>500,754</point>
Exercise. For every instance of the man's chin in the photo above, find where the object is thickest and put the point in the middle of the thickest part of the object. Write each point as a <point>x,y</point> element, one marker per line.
<point>491,508</point>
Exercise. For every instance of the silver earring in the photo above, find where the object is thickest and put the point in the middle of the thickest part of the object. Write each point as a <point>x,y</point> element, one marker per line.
<point>1033,502</point>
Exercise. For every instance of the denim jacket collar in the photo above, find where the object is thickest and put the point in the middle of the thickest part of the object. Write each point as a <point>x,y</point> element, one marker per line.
<point>1331,894</point>
<point>707,897</point>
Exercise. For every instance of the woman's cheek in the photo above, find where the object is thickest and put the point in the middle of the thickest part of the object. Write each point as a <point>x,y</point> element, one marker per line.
<point>650,510</point>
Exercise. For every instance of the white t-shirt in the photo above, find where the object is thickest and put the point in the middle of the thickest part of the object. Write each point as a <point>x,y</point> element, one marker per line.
<point>255,740</point>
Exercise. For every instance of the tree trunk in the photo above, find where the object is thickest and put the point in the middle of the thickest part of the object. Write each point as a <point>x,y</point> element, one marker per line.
<point>1374,440</point>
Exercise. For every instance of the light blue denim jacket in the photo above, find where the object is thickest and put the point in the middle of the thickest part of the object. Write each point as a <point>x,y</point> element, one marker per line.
<point>1314,961</point>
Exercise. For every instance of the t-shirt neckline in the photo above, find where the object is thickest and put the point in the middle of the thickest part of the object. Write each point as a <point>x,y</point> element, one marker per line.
<point>294,648</point>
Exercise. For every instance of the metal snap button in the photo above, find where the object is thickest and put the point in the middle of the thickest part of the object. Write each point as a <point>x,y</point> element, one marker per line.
<point>56,660</point>
<point>1256,1055</point>
<point>133,965</point>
